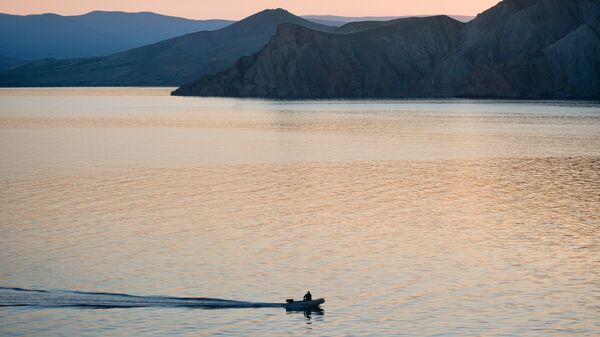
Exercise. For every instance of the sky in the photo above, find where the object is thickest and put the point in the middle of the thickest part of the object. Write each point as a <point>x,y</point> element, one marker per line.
<point>237,9</point>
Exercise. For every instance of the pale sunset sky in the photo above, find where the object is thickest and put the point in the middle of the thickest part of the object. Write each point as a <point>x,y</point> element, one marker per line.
<point>238,9</point>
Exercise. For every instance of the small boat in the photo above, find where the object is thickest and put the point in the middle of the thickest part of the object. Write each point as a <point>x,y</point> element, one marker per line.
<point>303,305</point>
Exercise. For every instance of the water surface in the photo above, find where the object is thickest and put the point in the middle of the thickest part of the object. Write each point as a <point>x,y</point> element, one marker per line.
<point>410,217</point>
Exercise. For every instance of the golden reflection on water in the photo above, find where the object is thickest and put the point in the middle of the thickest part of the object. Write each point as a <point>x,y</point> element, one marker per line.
<point>479,244</point>
<point>482,227</point>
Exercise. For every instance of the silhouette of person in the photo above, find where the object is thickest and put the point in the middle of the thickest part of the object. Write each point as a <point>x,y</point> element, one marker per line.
<point>308,296</point>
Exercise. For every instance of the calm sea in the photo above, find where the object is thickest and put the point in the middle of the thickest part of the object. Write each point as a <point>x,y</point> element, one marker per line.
<point>416,218</point>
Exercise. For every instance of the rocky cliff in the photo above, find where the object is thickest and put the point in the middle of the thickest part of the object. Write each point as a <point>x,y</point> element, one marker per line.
<point>531,49</point>
<point>387,61</point>
<point>528,49</point>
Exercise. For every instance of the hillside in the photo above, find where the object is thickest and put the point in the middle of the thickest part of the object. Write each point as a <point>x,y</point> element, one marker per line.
<point>9,62</point>
<point>302,63</point>
<point>166,63</point>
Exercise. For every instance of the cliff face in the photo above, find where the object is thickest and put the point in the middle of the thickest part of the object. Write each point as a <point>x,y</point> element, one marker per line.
<point>389,60</point>
<point>517,49</point>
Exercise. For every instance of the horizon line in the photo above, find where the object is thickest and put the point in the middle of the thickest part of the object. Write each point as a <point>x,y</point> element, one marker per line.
<point>229,19</point>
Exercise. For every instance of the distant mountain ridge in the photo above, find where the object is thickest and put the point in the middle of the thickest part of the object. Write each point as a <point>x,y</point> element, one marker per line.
<point>96,33</point>
<point>101,33</point>
<point>337,21</point>
<point>166,63</point>
<point>526,49</point>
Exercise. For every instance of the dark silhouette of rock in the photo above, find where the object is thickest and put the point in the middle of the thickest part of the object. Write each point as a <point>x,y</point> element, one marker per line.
<point>526,49</point>
<point>170,62</point>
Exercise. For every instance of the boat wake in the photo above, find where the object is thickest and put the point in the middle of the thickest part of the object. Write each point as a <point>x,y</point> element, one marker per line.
<point>10,297</point>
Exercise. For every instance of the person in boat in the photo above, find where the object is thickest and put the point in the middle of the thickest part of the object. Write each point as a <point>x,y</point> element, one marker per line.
<point>308,296</point>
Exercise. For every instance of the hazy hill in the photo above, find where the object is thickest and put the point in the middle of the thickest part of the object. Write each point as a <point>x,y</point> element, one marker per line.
<point>359,26</point>
<point>170,62</point>
<point>93,34</point>
<point>517,49</point>
<point>9,62</point>
<point>336,21</point>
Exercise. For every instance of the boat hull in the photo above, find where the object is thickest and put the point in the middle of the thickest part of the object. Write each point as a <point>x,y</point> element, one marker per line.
<point>304,305</point>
